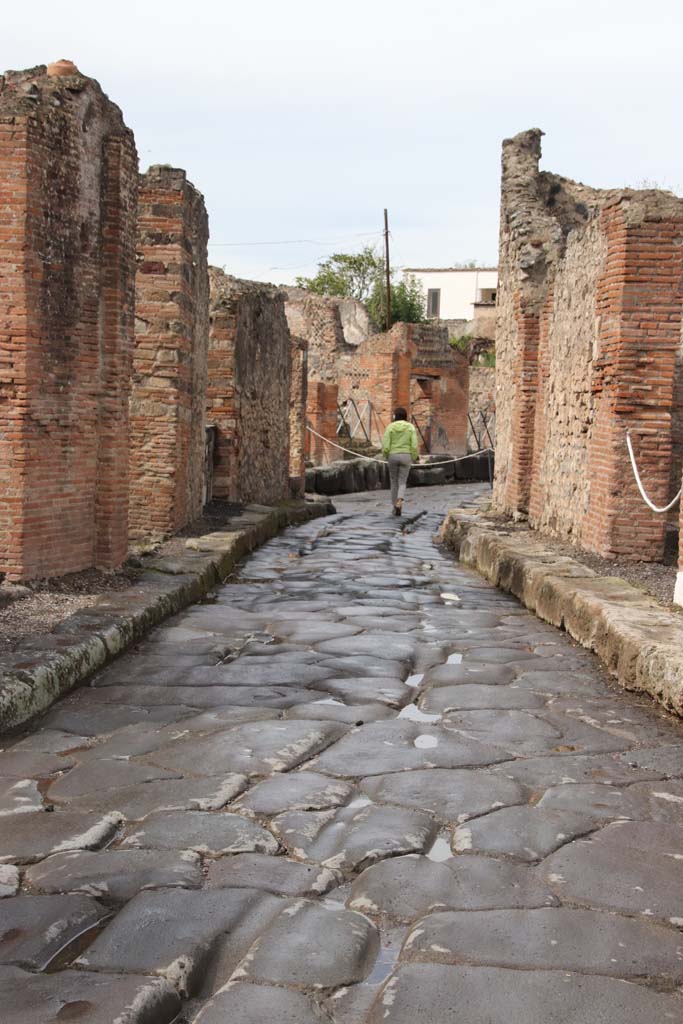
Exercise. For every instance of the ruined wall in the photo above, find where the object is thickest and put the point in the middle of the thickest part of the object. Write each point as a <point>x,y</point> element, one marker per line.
<point>68,168</point>
<point>589,322</point>
<point>321,415</point>
<point>380,373</point>
<point>249,374</point>
<point>333,328</point>
<point>298,396</point>
<point>167,407</point>
<point>449,371</point>
<point>481,401</point>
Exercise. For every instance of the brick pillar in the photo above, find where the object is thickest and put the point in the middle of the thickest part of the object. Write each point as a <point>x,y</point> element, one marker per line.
<point>523,409</point>
<point>639,310</point>
<point>168,398</point>
<point>321,413</point>
<point>249,375</point>
<point>68,168</point>
<point>297,417</point>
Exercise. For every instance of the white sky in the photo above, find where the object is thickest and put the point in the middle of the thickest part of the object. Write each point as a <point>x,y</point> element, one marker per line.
<point>304,119</point>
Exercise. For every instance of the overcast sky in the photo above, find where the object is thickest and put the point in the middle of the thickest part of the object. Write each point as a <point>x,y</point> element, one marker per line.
<point>303,120</point>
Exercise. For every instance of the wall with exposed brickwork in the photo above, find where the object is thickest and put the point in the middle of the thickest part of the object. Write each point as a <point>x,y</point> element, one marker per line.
<point>167,407</point>
<point>249,374</point>
<point>589,328</point>
<point>68,188</point>
<point>321,415</point>
<point>481,401</point>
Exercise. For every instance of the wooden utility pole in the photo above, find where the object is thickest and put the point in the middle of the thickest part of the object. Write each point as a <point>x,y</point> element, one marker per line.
<point>388,271</point>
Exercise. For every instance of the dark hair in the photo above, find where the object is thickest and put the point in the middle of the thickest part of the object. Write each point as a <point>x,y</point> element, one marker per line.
<point>400,413</point>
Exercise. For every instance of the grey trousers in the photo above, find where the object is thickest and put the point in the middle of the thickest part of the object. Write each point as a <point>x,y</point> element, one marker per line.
<point>399,467</point>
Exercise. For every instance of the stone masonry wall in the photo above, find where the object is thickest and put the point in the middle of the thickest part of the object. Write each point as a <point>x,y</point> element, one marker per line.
<point>589,327</point>
<point>68,190</point>
<point>448,369</point>
<point>380,373</point>
<point>168,397</point>
<point>298,395</point>
<point>249,374</point>
<point>481,400</point>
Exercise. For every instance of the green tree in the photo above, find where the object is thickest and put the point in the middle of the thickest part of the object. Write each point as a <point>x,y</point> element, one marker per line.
<point>345,275</point>
<point>362,276</point>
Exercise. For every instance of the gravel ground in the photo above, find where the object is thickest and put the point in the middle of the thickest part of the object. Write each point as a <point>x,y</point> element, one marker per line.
<point>43,604</point>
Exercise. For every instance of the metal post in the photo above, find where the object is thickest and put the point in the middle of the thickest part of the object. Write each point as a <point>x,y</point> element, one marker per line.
<point>388,271</point>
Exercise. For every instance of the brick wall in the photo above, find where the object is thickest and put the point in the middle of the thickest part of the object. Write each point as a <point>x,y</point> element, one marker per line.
<point>298,395</point>
<point>321,415</point>
<point>445,421</point>
<point>588,334</point>
<point>68,188</point>
<point>167,407</point>
<point>249,374</point>
<point>380,373</point>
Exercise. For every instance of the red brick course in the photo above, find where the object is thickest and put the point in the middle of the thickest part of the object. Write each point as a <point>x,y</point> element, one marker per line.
<point>68,189</point>
<point>298,396</point>
<point>170,364</point>
<point>321,415</point>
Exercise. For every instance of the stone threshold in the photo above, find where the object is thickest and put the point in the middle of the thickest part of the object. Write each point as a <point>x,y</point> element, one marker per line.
<point>638,640</point>
<point>44,668</point>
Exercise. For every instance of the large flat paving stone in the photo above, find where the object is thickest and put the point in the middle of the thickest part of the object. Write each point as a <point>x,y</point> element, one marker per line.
<point>85,998</point>
<point>634,867</point>
<point>643,801</point>
<point>18,796</point>
<point>363,665</point>
<point>241,1003</point>
<point>256,748</point>
<point>371,690</point>
<point>472,697</point>
<point>666,760</point>
<point>9,880</point>
<point>25,838</point>
<point>34,929</point>
<point>114,874</point>
<point>405,888</point>
<point>527,833</point>
<point>539,773</point>
<point>213,833</point>
<point>313,946</point>
<point>551,938</point>
<point>451,795</point>
<point>355,835</point>
<point>376,645</point>
<point>333,710</point>
<point>523,733</point>
<point>278,875</point>
<point>84,718</point>
<point>176,934</point>
<point>381,747</point>
<point>209,793</point>
<point>437,993</point>
<point>106,774</point>
<point>294,791</point>
<point>457,674</point>
<point>32,764</point>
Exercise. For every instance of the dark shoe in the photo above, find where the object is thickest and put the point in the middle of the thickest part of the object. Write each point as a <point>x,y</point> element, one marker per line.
<point>399,507</point>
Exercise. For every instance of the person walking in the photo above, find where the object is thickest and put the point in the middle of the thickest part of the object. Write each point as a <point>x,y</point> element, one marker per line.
<point>399,447</point>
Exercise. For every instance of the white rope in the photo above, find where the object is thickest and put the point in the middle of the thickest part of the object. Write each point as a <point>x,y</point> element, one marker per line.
<point>636,474</point>
<point>381,462</point>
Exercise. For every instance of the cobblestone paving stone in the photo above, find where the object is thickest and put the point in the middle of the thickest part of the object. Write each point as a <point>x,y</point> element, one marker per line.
<point>360,786</point>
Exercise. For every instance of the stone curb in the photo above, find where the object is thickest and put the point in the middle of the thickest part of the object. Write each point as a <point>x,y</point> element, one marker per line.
<point>34,678</point>
<point>638,640</point>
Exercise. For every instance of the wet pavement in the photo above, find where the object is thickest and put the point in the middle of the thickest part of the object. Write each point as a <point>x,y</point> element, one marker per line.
<point>359,786</point>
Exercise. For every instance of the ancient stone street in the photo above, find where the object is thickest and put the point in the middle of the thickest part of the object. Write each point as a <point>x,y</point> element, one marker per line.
<point>359,786</point>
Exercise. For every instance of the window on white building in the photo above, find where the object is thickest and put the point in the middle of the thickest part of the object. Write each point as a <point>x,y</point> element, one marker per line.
<point>433,301</point>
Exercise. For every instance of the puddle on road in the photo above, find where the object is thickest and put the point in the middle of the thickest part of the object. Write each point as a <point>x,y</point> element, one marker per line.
<point>330,700</point>
<point>454,659</point>
<point>449,598</point>
<point>413,713</point>
<point>424,742</point>
<point>414,680</point>
<point>440,850</point>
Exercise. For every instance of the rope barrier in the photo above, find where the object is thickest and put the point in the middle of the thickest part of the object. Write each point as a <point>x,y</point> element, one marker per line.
<point>381,462</point>
<point>636,474</point>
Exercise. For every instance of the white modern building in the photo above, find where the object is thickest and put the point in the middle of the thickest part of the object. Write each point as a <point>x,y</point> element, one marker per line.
<point>455,293</point>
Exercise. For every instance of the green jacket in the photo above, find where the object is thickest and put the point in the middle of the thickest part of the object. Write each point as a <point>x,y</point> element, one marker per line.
<point>400,437</point>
